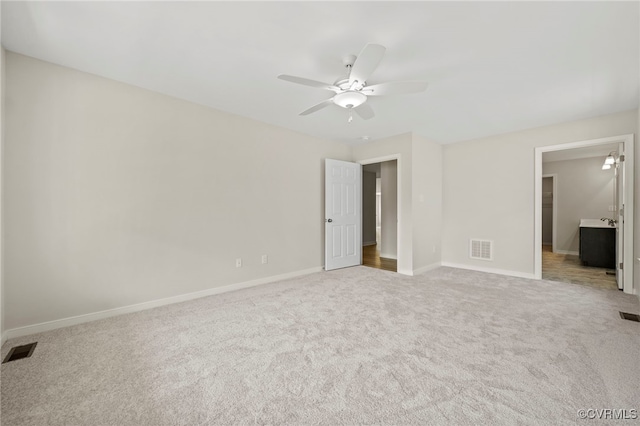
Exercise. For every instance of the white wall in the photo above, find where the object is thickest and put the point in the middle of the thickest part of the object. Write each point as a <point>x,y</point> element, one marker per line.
<point>420,176</point>
<point>2,127</point>
<point>368,208</point>
<point>2,172</point>
<point>397,145</point>
<point>116,195</point>
<point>427,203</point>
<point>488,190</point>
<point>547,210</point>
<point>636,219</point>
<point>389,209</point>
<point>585,191</point>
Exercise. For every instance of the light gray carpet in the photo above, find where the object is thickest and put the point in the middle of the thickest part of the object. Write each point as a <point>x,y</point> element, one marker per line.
<point>353,346</point>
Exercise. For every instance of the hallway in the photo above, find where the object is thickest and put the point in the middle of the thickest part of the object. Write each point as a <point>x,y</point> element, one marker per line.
<point>371,257</point>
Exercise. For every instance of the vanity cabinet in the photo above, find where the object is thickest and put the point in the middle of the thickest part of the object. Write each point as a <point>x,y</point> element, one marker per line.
<point>598,247</point>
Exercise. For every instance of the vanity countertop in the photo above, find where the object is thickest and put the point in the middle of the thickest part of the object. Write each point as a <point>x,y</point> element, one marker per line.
<point>594,223</point>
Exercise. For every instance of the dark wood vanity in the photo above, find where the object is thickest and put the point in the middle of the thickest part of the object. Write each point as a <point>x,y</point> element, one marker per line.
<point>598,245</point>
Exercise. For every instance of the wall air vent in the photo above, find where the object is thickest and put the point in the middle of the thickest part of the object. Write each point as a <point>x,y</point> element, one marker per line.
<point>481,249</point>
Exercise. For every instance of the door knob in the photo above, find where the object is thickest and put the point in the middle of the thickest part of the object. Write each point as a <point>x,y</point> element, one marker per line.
<point>329,220</point>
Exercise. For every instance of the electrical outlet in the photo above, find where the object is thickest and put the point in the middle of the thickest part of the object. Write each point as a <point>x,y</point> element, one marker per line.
<point>612,208</point>
<point>265,259</point>
<point>238,263</point>
<point>434,248</point>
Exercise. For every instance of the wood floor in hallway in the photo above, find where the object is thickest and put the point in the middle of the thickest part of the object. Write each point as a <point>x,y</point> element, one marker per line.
<point>371,257</point>
<point>567,268</point>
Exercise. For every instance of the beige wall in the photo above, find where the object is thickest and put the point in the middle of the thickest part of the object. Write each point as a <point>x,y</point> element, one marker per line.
<point>488,189</point>
<point>397,145</point>
<point>585,191</point>
<point>116,195</point>
<point>427,203</point>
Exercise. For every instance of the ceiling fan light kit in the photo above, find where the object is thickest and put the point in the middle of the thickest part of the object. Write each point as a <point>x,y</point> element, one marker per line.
<point>352,93</point>
<point>349,99</point>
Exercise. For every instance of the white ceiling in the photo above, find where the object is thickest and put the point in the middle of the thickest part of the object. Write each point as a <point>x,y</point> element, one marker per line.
<point>492,67</point>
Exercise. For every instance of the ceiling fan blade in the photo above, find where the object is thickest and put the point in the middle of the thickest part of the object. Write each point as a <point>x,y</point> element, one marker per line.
<point>307,82</point>
<point>365,111</point>
<point>395,88</point>
<point>317,107</point>
<point>366,63</point>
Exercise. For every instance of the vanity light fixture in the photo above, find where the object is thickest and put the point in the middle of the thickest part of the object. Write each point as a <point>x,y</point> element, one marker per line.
<point>609,160</point>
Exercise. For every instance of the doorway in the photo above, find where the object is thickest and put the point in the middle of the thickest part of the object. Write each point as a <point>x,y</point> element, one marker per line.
<point>380,215</point>
<point>588,197</point>
<point>549,210</point>
<point>577,190</point>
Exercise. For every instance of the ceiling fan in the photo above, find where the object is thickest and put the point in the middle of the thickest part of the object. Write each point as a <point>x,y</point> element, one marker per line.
<point>352,92</point>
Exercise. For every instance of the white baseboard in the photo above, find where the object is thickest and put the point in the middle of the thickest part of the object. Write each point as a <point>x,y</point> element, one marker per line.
<point>426,268</point>
<point>369,243</point>
<point>79,319</point>
<point>575,253</point>
<point>490,270</point>
<point>389,256</point>
<point>408,272</point>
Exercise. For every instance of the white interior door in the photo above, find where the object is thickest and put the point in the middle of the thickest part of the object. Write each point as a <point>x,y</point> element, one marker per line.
<point>343,216</point>
<point>619,215</point>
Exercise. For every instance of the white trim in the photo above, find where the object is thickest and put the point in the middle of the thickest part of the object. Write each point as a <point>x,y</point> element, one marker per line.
<point>427,268</point>
<point>388,256</point>
<point>369,243</point>
<point>401,255</point>
<point>489,270</point>
<point>628,141</point>
<point>79,319</point>
<point>554,211</point>
<point>571,252</point>
<point>379,159</point>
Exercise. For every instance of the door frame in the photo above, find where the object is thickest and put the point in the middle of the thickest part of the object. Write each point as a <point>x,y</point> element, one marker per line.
<point>554,210</point>
<point>402,254</point>
<point>628,141</point>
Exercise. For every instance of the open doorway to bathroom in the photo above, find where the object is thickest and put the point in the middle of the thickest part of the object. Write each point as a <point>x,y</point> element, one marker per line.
<point>579,215</point>
<point>380,215</point>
